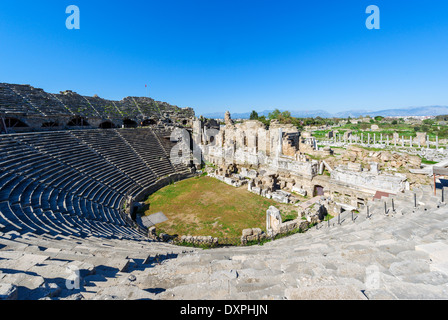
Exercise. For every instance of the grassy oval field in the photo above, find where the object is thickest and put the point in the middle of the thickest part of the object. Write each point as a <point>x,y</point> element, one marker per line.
<point>204,206</point>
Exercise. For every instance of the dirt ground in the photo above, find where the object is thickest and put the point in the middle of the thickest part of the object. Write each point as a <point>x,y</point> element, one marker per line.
<point>204,206</point>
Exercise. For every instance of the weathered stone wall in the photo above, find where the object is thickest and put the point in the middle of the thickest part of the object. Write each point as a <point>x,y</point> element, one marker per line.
<point>369,180</point>
<point>256,234</point>
<point>200,240</point>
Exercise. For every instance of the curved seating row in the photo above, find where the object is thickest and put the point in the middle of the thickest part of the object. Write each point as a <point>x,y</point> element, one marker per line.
<point>147,146</point>
<point>73,183</point>
<point>110,146</point>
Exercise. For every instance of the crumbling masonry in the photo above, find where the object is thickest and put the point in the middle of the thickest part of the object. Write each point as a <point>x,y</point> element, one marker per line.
<point>276,162</point>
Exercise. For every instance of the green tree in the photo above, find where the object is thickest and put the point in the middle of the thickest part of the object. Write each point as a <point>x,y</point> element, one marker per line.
<point>285,117</point>
<point>253,115</point>
<point>264,120</point>
<point>274,114</point>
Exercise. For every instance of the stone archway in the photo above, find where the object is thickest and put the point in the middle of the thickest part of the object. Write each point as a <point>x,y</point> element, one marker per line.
<point>50,124</point>
<point>78,122</point>
<point>149,122</point>
<point>107,125</point>
<point>15,123</point>
<point>130,123</point>
<point>318,191</point>
<point>10,123</point>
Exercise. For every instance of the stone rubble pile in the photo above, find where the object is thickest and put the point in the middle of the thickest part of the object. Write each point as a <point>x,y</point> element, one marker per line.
<point>315,213</point>
<point>228,174</point>
<point>386,158</point>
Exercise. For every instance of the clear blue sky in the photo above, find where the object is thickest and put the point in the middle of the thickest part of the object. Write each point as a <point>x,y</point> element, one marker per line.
<point>216,55</point>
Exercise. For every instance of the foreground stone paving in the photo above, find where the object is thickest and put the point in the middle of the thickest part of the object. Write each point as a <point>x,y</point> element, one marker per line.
<point>401,255</point>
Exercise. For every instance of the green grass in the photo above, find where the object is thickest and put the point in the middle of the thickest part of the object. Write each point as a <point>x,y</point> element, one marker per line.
<point>204,206</point>
<point>403,129</point>
<point>428,161</point>
<point>292,215</point>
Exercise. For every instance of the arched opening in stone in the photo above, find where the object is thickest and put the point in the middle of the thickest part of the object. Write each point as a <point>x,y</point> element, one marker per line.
<point>50,124</point>
<point>9,123</point>
<point>149,122</point>
<point>78,122</point>
<point>318,191</point>
<point>14,123</point>
<point>129,123</point>
<point>107,125</point>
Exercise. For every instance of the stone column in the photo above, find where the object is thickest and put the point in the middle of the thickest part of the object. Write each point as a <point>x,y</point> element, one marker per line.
<point>273,219</point>
<point>280,142</point>
<point>437,142</point>
<point>374,138</point>
<point>368,138</point>
<point>362,138</point>
<point>374,168</point>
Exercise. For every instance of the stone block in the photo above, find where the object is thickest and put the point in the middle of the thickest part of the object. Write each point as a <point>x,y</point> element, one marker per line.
<point>256,190</point>
<point>289,226</point>
<point>247,232</point>
<point>8,291</point>
<point>356,167</point>
<point>273,219</point>
<point>297,189</point>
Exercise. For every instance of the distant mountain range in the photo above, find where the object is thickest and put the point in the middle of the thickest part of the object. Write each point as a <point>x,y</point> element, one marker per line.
<point>406,112</point>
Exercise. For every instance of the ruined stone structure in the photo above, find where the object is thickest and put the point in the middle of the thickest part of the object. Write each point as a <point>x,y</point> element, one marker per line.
<point>24,108</point>
<point>62,201</point>
<point>278,149</point>
<point>278,161</point>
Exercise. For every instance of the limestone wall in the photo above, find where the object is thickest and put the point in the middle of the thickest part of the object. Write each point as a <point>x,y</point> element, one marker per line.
<point>369,180</point>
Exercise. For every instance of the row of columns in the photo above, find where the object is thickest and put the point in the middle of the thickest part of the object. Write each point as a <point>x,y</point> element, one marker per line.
<point>355,139</point>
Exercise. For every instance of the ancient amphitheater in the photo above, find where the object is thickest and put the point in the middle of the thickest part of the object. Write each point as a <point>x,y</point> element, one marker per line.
<point>71,168</point>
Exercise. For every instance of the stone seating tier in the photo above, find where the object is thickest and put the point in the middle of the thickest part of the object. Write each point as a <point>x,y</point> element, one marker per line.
<point>27,100</point>
<point>49,182</point>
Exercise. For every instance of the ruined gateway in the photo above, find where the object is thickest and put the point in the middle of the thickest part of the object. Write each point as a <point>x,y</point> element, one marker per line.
<point>281,158</point>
